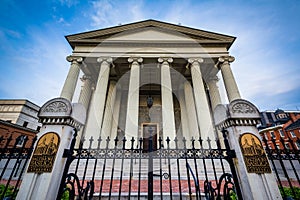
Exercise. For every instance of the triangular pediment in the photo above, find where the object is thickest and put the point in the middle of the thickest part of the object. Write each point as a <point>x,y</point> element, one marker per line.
<point>149,30</point>
<point>151,34</point>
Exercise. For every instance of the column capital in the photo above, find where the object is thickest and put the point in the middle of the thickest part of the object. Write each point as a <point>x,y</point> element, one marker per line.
<point>163,60</point>
<point>135,59</point>
<point>226,59</point>
<point>104,59</point>
<point>195,60</point>
<point>213,79</point>
<point>74,59</point>
<point>85,77</point>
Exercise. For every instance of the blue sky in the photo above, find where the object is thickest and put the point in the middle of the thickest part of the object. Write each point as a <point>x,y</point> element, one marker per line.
<point>267,50</point>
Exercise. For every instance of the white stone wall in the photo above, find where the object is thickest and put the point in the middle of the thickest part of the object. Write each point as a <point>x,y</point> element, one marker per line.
<point>20,111</point>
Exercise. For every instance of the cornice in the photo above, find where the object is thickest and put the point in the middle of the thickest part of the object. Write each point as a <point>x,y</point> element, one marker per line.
<point>18,126</point>
<point>61,121</point>
<point>271,128</point>
<point>238,122</point>
<point>192,32</point>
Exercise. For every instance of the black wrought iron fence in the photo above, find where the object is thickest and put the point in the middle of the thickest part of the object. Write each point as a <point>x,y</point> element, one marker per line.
<point>284,156</point>
<point>13,162</point>
<point>108,169</point>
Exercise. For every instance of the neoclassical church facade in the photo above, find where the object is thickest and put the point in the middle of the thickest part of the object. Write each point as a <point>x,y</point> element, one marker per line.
<point>150,75</point>
<point>146,86</point>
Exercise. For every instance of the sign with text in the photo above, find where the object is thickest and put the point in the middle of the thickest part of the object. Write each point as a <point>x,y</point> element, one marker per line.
<point>254,154</point>
<point>44,154</point>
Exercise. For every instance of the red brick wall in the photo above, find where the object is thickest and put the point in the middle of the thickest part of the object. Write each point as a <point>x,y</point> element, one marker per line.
<point>6,131</point>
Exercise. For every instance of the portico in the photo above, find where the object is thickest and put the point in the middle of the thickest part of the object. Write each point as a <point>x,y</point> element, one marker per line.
<point>174,65</point>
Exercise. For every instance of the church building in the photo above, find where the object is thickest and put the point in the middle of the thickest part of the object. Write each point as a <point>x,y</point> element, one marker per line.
<point>149,122</point>
<point>150,76</point>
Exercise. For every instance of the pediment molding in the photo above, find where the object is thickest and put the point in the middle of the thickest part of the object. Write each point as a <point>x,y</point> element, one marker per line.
<point>196,34</point>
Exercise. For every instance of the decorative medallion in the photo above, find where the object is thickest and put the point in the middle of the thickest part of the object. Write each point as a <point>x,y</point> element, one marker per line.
<point>242,108</point>
<point>56,107</point>
<point>44,154</point>
<point>254,154</point>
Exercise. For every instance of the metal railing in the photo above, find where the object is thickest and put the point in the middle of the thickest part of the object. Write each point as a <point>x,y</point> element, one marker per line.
<point>110,171</point>
<point>285,163</point>
<point>13,162</point>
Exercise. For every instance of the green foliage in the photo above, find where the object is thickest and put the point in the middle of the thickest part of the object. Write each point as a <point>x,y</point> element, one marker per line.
<point>233,195</point>
<point>65,195</point>
<point>8,192</point>
<point>288,192</point>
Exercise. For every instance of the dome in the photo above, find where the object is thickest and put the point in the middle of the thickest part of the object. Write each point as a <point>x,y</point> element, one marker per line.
<point>279,111</point>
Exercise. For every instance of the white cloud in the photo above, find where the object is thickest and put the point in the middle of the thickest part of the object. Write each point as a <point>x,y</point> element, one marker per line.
<point>108,13</point>
<point>68,3</point>
<point>39,67</point>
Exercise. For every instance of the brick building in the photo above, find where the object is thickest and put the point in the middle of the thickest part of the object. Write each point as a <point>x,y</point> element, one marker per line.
<point>282,126</point>
<point>18,121</point>
<point>17,133</point>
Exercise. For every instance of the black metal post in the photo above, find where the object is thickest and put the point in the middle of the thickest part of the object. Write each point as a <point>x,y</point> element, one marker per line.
<point>150,167</point>
<point>68,153</point>
<point>230,155</point>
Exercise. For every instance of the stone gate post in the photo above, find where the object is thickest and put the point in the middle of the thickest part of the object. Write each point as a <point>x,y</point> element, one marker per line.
<point>43,176</point>
<point>239,120</point>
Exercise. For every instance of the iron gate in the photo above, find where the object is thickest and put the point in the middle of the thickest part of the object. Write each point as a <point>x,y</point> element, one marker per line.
<point>14,156</point>
<point>107,169</point>
<point>284,156</point>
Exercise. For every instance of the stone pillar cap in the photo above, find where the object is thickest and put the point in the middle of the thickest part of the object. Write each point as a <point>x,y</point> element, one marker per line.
<point>237,109</point>
<point>60,111</point>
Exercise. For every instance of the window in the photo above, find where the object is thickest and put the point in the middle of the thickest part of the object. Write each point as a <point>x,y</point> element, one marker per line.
<point>287,146</point>
<point>292,134</point>
<point>25,124</point>
<point>282,115</point>
<point>272,134</point>
<point>281,133</point>
<point>20,140</point>
<point>297,145</point>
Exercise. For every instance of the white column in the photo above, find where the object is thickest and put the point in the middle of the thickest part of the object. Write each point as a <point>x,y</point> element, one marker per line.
<point>96,109</point>
<point>191,111</point>
<point>84,99</point>
<point>202,107</point>
<point>184,118</point>
<point>214,92</point>
<point>168,118</point>
<point>116,114</point>
<point>72,77</point>
<point>109,109</point>
<point>215,100</point>
<point>86,91</point>
<point>132,115</point>
<point>228,78</point>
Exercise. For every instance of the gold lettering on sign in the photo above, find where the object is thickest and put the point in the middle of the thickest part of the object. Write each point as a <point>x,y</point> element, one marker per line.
<point>254,154</point>
<point>44,154</point>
